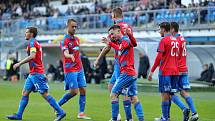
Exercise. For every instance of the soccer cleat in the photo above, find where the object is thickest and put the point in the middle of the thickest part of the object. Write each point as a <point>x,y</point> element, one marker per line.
<point>186,113</point>
<point>118,117</point>
<point>60,116</point>
<point>161,119</point>
<point>129,120</point>
<point>83,116</point>
<point>194,117</point>
<point>14,117</point>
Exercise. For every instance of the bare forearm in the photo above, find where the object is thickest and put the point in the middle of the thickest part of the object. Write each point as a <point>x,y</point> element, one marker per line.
<point>25,60</point>
<point>104,51</point>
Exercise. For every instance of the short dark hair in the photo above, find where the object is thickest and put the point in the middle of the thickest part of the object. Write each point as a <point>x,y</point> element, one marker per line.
<point>69,20</point>
<point>165,25</point>
<point>114,27</point>
<point>117,12</point>
<point>175,26</point>
<point>32,30</point>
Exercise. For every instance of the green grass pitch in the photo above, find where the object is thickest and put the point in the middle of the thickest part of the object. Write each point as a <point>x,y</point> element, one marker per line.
<point>98,104</point>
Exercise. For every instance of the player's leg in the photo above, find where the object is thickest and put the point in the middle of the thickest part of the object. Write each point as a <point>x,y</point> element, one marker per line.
<point>28,87</point>
<point>184,85</point>
<point>164,89</point>
<point>132,92</point>
<point>41,85</point>
<point>112,81</point>
<point>71,84</point>
<point>127,106</point>
<point>82,98</point>
<point>175,85</point>
<point>115,92</point>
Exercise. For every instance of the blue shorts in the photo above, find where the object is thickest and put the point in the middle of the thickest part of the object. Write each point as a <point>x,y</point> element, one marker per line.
<point>183,83</point>
<point>74,80</point>
<point>168,84</point>
<point>115,75</point>
<point>125,84</point>
<point>36,82</point>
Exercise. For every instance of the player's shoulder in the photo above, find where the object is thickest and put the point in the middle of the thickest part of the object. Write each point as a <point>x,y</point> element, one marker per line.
<point>33,42</point>
<point>125,38</point>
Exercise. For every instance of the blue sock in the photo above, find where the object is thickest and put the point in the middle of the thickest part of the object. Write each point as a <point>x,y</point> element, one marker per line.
<point>127,108</point>
<point>65,98</point>
<point>23,103</point>
<point>139,111</point>
<point>54,104</point>
<point>190,104</point>
<point>115,109</point>
<point>178,102</point>
<point>170,102</point>
<point>165,108</point>
<point>82,102</point>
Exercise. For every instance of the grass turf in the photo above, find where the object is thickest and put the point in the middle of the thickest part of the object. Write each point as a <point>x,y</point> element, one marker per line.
<point>98,104</point>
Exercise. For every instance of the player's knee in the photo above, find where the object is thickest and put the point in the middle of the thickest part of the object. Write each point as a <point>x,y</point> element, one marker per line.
<point>165,96</point>
<point>184,94</point>
<point>126,98</point>
<point>134,100</point>
<point>82,91</point>
<point>25,93</point>
<point>74,92</point>
<point>113,96</point>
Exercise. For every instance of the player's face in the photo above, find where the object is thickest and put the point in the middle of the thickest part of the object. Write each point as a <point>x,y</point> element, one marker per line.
<point>116,34</point>
<point>27,34</point>
<point>72,27</point>
<point>111,37</point>
<point>172,31</point>
<point>113,16</point>
<point>161,31</point>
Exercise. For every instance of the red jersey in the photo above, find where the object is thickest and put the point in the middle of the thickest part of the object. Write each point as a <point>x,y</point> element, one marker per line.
<point>124,26</point>
<point>182,66</point>
<point>169,48</point>
<point>36,64</point>
<point>72,44</point>
<point>126,55</point>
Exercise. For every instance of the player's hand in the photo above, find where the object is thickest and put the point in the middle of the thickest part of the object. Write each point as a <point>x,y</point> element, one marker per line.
<point>150,76</point>
<point>128,31</point>
<point>105,40</point>
<point>73,58</point>
<point>15,66</point>
<point>96,64</point>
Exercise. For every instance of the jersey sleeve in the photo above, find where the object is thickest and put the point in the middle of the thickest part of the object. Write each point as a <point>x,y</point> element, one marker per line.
<point>32,47</point>
<point>64,44</point>
<point>124,44</point>
<point>161,46</point>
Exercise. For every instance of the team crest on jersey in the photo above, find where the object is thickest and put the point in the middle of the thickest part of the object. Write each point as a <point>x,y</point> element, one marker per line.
<point>70,45</point>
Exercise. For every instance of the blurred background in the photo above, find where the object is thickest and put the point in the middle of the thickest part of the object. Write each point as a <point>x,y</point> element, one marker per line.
<point>196,19</point>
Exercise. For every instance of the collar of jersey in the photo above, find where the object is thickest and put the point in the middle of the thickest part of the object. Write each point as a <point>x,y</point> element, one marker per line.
<point>71,37</point>
<point>32,39</point>
<point>177,35</point>
<point>166,35</point>
<point>118,20</point>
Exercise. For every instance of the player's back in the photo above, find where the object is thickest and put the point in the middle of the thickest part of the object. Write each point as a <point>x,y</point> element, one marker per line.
<point>36,64</point>
<point>182,53</point>
<point>126,58</point>
<point>169,46</point>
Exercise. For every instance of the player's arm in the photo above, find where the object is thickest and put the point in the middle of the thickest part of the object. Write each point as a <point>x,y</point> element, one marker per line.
<point>160,51</point>
<point>131,37</point>
<point>65,50</point>
<point>124,44</point>
<point>104,51</point>
<point>27,59</point>
<point>67,55</point>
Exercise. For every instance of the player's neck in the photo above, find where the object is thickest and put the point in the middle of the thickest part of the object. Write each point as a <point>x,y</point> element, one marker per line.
<point>71,35</point>
<point>167,33</point>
